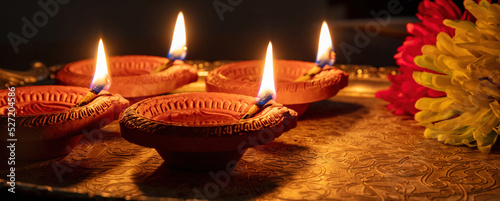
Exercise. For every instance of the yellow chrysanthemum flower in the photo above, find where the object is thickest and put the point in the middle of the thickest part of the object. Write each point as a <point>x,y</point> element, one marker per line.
<point>469,64</point>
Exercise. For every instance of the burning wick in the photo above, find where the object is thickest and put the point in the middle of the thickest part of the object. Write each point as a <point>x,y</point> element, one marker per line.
<point>313,71</point>
<point>163,66</point>
<point>91,95</point>
<point>101,78</point>
<point>178,47</point>
<point>267,91</point>
<point>326,55</point>
<point>268,95</point>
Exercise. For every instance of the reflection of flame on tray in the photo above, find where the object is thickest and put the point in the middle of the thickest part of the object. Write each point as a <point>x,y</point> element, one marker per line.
<point>365,81</point>
<point>38,72</point>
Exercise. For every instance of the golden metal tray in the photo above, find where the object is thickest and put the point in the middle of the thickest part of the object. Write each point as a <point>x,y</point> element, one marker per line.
<point>348,147</point>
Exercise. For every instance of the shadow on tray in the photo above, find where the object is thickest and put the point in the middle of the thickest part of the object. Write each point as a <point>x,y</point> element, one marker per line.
<point>84,161</point>
<point>259,172</point>
<point>328,108</point>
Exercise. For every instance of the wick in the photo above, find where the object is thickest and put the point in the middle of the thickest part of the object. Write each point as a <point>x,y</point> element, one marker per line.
<point>316,69</point>
<point>310,74</point>
<point>91,95</point>
<point>261,102</point>
<point>163,66</point>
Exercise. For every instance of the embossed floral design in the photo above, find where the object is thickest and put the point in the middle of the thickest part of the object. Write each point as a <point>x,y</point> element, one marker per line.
<point>468,71</point>
<point>404,91</point>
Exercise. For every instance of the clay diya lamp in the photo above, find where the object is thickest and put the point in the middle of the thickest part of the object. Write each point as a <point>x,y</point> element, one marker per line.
<point>243,78</point>
<point>48,121</point>
<point>207,131</point>
<point>202,131</point>
<point>131,75</point>
<point>322,79</point>
<point>42,124</point>
<point>136,77</point>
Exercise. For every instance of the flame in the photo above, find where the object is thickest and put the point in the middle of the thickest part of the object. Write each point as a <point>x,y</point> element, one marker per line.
<point>101,75</point>
<point>326,54</point>
<point>178,47</point>
<point>267,84</point>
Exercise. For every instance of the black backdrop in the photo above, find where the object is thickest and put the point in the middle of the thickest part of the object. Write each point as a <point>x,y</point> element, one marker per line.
<point>145,27</point>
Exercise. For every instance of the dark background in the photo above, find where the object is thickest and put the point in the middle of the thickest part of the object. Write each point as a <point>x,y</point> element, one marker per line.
<point>145,27</point>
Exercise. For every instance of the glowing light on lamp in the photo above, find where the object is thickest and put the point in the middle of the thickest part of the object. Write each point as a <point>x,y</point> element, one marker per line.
<point>101,79</point>
<point>178,47</point>
<point>326,54</point>
<point>267,83</point>
<point>267,90</point>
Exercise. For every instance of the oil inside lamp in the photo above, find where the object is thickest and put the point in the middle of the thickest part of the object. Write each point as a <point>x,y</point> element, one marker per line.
<point>267,90</point>
<point>101,79</point>
<point>178,49</point>
<point>325,56</point>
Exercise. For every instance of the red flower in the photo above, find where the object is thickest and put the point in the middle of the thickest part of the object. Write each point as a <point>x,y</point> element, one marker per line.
<point>404,91</point>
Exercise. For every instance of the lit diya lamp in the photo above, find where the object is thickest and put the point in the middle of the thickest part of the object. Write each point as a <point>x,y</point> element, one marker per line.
<point>136,77</point>
<point>325,56</point>
<point>299,83</point>
<point>267,90</point>
<point>205,131</point>
<point>48,121</point>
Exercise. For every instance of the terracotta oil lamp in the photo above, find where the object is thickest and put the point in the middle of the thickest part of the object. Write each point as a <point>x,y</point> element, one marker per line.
<point>46,122</point>
<point>243,78</point>
<point>133,76</point>
<point>204,130</point>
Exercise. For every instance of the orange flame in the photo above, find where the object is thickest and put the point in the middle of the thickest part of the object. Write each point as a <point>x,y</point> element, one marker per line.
<point>178,47</point>
<point>267,84</point>
<point>326,55</point>
<point>101,75</point>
